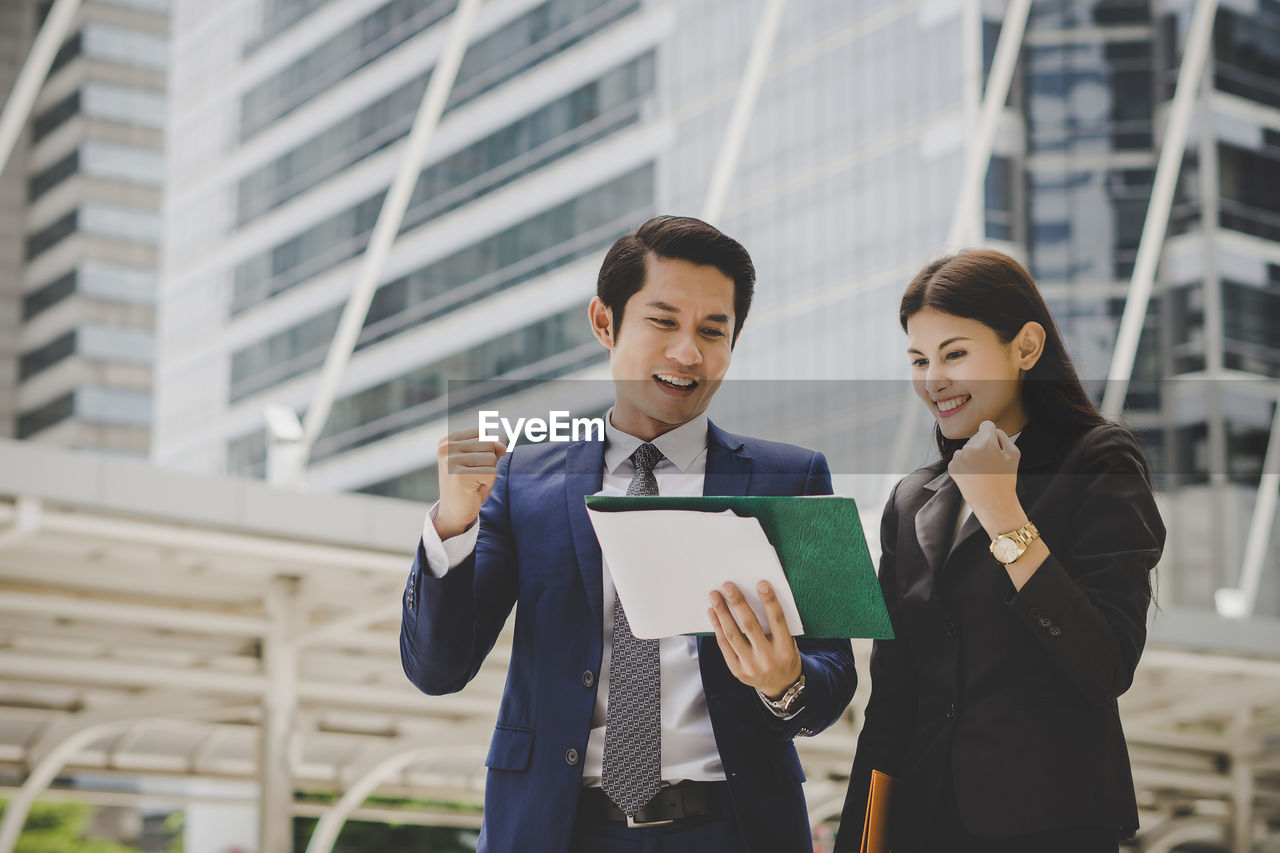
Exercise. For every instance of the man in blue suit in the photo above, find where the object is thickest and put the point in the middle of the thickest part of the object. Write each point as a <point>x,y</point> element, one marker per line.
<point>605,741</point>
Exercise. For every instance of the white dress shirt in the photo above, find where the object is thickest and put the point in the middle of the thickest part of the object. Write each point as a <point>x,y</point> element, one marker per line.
<point>688,742</point>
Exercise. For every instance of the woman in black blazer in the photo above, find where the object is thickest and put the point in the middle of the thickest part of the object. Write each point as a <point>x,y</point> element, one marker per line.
<point>1016,571</point>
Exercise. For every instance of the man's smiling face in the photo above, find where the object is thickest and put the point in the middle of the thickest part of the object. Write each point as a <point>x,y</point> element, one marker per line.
<point>672,348</point>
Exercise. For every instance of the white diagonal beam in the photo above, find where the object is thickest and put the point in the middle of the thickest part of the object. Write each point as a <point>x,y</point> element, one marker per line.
<point>17,107</point>
<point>1174,145</point>
<point>744,106</point>
<point>1239,603</point>
<point>978,155</point>
<point>385,229</point>
<point>976,162</point>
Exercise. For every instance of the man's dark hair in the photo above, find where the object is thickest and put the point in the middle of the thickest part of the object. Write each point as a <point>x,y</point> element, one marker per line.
<point>680,238</point>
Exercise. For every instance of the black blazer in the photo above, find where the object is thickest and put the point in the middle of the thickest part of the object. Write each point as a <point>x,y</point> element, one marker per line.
<point>1013,694</point>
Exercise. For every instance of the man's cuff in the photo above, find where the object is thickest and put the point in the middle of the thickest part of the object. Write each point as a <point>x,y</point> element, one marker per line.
<point>443,555</point>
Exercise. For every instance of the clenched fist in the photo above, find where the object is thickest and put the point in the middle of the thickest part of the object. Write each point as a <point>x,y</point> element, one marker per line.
<point>986,472</point>
<point>467,468</point>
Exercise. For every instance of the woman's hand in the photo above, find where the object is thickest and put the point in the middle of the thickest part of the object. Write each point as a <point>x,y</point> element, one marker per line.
<point>986,472</point>
<point>769,662</point>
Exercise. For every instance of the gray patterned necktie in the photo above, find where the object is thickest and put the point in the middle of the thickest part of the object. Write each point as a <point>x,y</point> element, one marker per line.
<point>632,770</point>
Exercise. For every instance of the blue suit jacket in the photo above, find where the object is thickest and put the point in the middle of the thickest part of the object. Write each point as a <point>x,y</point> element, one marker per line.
<point>537,548</point>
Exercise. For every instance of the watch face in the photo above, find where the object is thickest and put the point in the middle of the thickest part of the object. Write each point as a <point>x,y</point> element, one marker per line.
<point>1005,550</point>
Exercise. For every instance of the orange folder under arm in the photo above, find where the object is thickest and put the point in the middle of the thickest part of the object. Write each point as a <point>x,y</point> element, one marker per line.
<point>875,829</point>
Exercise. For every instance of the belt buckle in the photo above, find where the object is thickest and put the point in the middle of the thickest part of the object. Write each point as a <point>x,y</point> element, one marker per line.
<point>632,823</point>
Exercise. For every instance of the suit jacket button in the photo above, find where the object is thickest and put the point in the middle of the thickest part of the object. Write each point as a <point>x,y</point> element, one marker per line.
<point>588,678</point>
<point>951,711</point>
<point>571,757</point>
<point>1055,631</point>
<point>1034,612</point>
<point>1045,621</point>
<point>950,630</point>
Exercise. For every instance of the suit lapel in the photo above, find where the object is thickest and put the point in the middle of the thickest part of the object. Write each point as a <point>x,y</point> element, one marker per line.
<point>936,521</point>
<point>728,465</point>
<point>728,475</point>
<point>584,475</point>
<point>971,527</point>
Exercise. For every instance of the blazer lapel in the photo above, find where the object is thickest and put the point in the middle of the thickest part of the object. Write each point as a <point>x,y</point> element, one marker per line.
<point>584,475</point>
<point>936,520</point>
<point>970,527</point>
<point>728,465</point>
<point>728,474</point>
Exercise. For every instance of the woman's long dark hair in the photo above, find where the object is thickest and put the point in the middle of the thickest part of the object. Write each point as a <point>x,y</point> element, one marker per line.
<point>995,290</point>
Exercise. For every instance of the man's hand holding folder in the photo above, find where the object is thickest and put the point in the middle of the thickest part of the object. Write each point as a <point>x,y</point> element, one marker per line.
<point>818,542</point>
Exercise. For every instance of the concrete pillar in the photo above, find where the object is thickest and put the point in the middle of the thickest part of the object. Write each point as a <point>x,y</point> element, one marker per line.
<point>280,709</point>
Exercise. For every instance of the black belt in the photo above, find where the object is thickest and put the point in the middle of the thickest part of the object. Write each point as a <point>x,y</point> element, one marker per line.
<point>672,803</point>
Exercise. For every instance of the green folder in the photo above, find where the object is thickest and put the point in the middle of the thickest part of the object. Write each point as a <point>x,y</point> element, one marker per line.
<point>822,549</point>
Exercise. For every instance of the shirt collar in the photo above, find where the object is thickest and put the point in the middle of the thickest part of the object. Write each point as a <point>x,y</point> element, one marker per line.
<point>681,446</point>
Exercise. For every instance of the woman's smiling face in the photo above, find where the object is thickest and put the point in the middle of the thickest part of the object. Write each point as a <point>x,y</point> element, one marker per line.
<point>965,374</point>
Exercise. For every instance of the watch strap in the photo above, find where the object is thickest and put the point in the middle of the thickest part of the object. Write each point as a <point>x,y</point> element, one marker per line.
<point>1021,538</point>
<point>788,704</point>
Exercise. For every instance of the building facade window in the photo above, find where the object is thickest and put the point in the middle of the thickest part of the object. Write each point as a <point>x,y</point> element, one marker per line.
<point>1000,213</point>
<point>515,47</point>
<point>118,222</point>
<point>71,48</point>
<point>60,348</point>
<point>46,179</point>
<point>548,134</point>
<point>123,46</point>
<point>277,17</point>
<point>1086,224</point>
<point>1250,187</point>
<point>1089,13</point>
<point>548,348</point>
<point>50,414</point>
<point>51,235</point>
<point>344,54</point>
<point>123,104</point>
<point>524,251</point>
<point>389,118</point>
<point>113,406</point>
<point>1246,52</point>
<point>49,295</point>
<point>1090,97</point>
<point>54,117</point>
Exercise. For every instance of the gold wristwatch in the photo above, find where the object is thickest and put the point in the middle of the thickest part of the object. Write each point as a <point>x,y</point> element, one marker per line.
<point>1008,547</point>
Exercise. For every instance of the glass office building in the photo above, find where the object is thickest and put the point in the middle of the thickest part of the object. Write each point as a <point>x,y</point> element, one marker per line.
<point>571,121</point>
<point>1098,78</point>
<point>17,28</point>
<point>287,126</point>
<point>84,188</point>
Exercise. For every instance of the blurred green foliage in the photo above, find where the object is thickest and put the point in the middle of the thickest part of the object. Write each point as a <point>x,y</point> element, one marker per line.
<point>59,828</point>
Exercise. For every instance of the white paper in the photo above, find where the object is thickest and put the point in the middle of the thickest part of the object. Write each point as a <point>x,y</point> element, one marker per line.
<point>666,562</point>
